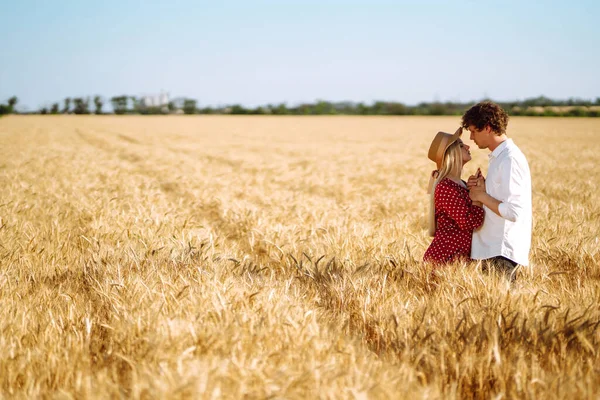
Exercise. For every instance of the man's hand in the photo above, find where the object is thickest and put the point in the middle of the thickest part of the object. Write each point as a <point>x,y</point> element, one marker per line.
<point>477,203</point>
<point>474,179</point>
<point>477,195</point>
<point>477,189</point>
<point>476,186</point>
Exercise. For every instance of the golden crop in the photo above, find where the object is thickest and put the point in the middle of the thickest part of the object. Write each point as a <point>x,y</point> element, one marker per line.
<point>255,257</point>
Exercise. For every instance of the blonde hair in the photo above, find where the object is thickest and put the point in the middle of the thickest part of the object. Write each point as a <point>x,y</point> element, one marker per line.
<point>452,164</point>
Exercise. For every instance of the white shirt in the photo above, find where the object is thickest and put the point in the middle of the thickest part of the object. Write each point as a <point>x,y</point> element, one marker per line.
<point>508,181</point>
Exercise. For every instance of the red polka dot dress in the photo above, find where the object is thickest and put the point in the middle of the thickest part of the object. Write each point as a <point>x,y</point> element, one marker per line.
<point>456,218</point>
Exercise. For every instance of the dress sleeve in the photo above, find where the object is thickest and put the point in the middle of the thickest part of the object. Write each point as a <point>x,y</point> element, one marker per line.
<point>460,208</point>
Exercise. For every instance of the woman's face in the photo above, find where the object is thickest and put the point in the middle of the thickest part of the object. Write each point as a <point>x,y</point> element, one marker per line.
<point>466,154</point>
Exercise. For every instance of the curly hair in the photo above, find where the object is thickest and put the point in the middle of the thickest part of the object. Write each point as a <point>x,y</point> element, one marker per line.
<point>486,113</point>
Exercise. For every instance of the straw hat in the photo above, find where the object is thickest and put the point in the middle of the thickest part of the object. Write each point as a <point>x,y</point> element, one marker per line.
<point>440,143</point>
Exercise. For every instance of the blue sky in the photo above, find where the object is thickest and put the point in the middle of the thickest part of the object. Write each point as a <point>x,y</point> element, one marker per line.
<point>257,52</point>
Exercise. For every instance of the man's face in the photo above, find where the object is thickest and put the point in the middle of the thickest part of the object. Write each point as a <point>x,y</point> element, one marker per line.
<point>480,137</point>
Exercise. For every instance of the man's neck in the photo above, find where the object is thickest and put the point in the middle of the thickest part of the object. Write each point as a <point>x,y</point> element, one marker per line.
<point>498,140</point>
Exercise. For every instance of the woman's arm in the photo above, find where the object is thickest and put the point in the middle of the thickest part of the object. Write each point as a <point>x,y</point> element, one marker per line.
<point>448,198</point>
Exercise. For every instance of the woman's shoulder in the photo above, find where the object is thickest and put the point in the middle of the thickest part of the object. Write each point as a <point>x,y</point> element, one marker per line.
<point>448,185</point>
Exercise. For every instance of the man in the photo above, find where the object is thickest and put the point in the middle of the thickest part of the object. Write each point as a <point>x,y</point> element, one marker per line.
<point>504,239</point>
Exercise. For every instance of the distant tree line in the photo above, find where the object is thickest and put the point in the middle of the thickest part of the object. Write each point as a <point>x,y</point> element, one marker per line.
<point>75,105</point>
<point>125,104</point>
<point>539,106</point>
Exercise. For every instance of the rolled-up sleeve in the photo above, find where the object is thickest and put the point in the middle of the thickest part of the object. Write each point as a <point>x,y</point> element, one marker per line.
<point>514,191</point>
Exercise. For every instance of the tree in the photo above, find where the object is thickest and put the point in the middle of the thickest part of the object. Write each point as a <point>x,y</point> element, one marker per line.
<point>437,109</point>
<point>238,109</point>
<point>54,109</point>
<point>362,109</point>
<point>136,104</point>
<point>44,111</point>
<point>81,105</point>
<point>324,107</point>
<point>576,112</point>
<point>98,103</point>
<point>119,104</point>
<point>189,106</point>
<point>378,108</point>
<point>395,109</point>
<point>12,102</point>
<point>257,111</point>
<point>10,107</point>
<point>67,106</point>
<point>280,109</point>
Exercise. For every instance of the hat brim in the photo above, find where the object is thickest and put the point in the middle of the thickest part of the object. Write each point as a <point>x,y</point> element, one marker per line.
<point>438,155</point>
<point>457,134</point>
<point>451,140</point>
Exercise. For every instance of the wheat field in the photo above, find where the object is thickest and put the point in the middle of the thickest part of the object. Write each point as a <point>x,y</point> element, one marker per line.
<point>280,257</point>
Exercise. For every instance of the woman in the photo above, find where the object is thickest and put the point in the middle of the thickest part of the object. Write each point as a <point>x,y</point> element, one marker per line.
<point>453,216</point>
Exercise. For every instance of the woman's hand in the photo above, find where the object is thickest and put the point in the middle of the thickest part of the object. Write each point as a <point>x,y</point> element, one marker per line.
<point>474,179</point>
<point>477,192</point>
<point>477,188</point>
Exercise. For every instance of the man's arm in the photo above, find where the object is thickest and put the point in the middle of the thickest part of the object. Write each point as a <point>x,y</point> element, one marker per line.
<point>512,191</point>
<point>488,201</point>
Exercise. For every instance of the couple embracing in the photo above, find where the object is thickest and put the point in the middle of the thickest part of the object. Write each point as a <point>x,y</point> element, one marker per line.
<point>485,218</point>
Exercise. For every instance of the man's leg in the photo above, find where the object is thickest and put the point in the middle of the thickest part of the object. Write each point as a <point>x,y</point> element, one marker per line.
<point>502,265</point>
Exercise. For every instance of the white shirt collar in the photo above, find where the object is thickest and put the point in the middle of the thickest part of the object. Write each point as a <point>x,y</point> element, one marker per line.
<point>499,149</point>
